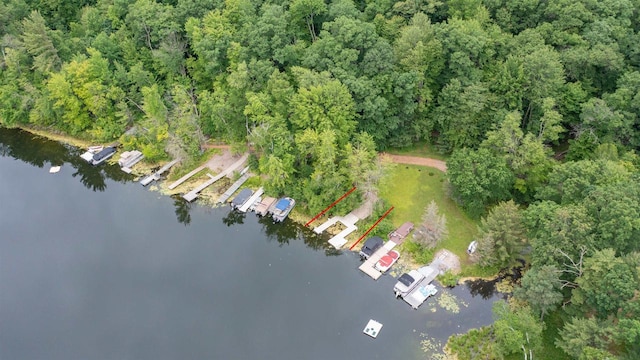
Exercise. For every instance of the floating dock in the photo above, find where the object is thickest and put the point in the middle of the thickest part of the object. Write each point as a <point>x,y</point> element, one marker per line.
<point>368,267</point>
<point>156,176</point>
<point>373,328</point>
<point>186,177</point>
<point>339,240</point>
<point>424,289</point>
<point>128,159</point>
<point>251,200</point>
<point>235,186</point>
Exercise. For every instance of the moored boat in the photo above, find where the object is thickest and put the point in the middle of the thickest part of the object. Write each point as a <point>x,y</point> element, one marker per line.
<point>282,209</point>
<point>387,260</point>
<point>97,158</point>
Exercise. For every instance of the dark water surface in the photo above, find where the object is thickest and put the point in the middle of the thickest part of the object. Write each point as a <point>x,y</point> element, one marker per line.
<point>94,266</point>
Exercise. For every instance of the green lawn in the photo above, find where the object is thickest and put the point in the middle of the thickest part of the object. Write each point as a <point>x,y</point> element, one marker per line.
<point>411,188</point>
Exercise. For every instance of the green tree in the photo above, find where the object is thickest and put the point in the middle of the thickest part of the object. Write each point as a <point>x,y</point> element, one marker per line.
<point>579,335</point>
<point>308,12</point>
<point>572,181</point>
<point>185,136</point>
<point>37,39</point>
<point>607,282</point>
<point>325,107</point>
<point>463,114</point>
<point>478,179</point>
<point>433,227</point>
<point>516,330</point>
<point>501,235</point>
<point>555,230</point>
<point>526,155</point>
<point>540,287</point>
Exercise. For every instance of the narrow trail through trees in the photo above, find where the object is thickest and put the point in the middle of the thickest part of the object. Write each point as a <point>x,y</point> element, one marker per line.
<point>398,159</point>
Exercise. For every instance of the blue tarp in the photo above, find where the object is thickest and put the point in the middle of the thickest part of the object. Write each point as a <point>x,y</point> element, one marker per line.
<point>282,205</point>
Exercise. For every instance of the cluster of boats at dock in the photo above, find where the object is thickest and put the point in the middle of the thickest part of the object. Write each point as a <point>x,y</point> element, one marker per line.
<point>245,200</point>
<point>413,287</point>
<point>378,256</point>
<point>248,200</point>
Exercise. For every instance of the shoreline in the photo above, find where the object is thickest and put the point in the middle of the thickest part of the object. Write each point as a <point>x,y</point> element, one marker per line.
<point>209,196</point>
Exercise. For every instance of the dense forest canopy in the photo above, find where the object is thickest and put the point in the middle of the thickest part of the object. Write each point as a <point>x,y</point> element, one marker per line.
<point>536,101</point>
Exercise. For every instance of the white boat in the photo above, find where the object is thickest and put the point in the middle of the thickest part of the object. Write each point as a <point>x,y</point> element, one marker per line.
<point>415,287</point>
<point>407,282</point>
<point>282,209</point>
<point>100,157</point>
<point>472,247</point>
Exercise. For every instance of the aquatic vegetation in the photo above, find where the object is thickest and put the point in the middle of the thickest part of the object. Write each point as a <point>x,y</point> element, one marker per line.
<point>449,302</point>
<point>432,347</point>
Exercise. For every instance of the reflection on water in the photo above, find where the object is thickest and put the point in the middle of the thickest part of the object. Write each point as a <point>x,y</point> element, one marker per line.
<point>234,218</point>
<point>487,288</point>
<point>118,275</point>
<point>38,151</point>
<point>183,208</point>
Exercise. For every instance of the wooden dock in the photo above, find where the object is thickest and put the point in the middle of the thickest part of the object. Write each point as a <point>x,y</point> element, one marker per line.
<point>256,195</point>
<point>186,177</point>
<point>368,267</point>
<point>235,186</point>
<point>339,240</point>
<point>193,194</point>
<point>156,176</point>
<point>420,292</point>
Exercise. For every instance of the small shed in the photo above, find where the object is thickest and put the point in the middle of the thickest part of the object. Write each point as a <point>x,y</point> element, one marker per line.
<point>241,198</point>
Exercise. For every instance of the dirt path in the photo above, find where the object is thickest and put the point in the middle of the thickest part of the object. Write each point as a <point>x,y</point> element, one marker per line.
<point>398,159</point>
<point>415,160</point>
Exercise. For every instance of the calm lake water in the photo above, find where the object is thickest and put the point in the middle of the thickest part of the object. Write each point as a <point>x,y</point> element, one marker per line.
<point>94,266</point>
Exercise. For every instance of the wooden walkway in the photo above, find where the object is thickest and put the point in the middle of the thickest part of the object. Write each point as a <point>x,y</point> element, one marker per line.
<point>186,177</point>
<point>156,176</point>
<point>368,266</point>
<point>193,194</point>
<point>339,240</point>
<point>235,186</point>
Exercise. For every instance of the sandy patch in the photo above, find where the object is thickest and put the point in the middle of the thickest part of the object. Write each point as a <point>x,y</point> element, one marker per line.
<point>222,161</point>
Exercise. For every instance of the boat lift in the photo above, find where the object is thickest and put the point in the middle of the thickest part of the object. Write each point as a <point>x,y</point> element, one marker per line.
<point>330,206</point>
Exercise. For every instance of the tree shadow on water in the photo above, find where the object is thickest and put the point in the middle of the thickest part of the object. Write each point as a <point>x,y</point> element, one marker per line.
<point>234,217</point>
<point>183,209</point>
<point>282,232</point>
<point>484,288</point>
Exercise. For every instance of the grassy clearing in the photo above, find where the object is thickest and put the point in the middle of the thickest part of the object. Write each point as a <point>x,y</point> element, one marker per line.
<point>422,149</point>
<point>410,189</point>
